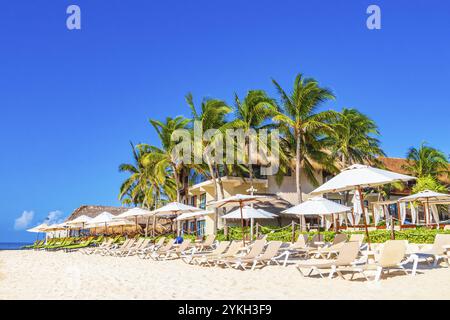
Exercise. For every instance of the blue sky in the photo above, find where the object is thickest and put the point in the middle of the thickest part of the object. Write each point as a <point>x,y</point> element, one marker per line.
<point>72,100</point>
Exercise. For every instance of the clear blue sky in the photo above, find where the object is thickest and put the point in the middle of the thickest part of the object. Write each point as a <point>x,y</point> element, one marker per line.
<point>72,100</point>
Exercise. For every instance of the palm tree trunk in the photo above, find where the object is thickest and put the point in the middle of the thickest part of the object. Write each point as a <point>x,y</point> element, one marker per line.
<point>216,192</point>
<point>177,183</point>
<point>250,166</point>
<point>298,169</point>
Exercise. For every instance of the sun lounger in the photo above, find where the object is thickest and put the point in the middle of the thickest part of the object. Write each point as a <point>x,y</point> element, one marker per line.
<point>161,251</point>
<point>115,250</point>
<point>212,260</point>
<point>393,257</point>
<point>255,250</point>
<point>145,251</point>
<point>196,256</point>
<point>176,251</point>
<point>105,244</point>
<point>269,255</point>
<point>134,250</point>
<point>207,244</point>
<point>126,250</point>
<point>437,252</point>
<point>347,255</point>
<point>333,249</point>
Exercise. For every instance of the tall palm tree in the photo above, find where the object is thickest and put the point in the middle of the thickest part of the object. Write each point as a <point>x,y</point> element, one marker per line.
<point>252,113</point>
<point>211,116</point>
<point>144,187</point>
<point>426,161</point>
<point>164,158</point>
<point>354,138</point>
<point>299,119</point>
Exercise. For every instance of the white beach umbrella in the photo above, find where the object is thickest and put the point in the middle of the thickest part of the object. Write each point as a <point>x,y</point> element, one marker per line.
<point>103,218</point>
<point>249,213</point>
<point>174,208</point>
<point>239,200</point>
<point>38,229</point>
<point>426,197</point>
<point>79,222</point>
<point>317,206</point>
<point>196,214</point>
<point>134,213</point>
<point>357,177</point>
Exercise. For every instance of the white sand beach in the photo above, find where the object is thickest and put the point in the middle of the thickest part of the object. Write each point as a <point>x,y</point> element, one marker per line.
<point>58,275</point>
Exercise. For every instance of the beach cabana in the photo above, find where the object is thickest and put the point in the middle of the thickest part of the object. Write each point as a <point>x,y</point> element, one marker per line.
<point>239,200</point>
<point>357,177</point>
<point>318,206</point>
<point>429,199</point>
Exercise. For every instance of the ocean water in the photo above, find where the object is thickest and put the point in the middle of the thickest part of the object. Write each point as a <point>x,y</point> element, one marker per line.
<point>12,245</point>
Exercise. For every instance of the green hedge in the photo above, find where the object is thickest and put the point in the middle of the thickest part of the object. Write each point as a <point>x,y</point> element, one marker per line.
<point>419,235</point>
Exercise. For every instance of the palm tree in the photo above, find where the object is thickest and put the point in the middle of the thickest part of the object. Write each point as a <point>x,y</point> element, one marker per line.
<point>211,116</point>
<point>426,161</point>
<point>145,186</point>
<point>353,139</point>
<point>164,158</point>
<point>252,113</point>
<point>298,117</point>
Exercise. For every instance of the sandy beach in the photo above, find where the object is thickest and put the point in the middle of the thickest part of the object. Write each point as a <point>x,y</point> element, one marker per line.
<point>58,275</point>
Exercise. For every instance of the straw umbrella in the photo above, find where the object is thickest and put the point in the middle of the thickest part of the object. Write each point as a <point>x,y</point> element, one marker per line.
<point>425,197</point>
<point>239,200</point>
<point>357,177</point>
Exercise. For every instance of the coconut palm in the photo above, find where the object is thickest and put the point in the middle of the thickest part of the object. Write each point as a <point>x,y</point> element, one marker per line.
<point>210,116</point>
<point>145,186</point>
<point>353,139</point>
<point>298,117</point>
<point>426,161</point>
<point>252,113</point>
<point>164,159</point>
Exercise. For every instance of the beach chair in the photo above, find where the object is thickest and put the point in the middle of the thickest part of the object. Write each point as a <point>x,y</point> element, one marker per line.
<point>176,251</point>
<point>269,255</point>
<point>145,251</point>
<point>333,249</point>
<point>83,244</point>
<point>393,257</point>
<point>447,227</point>
<point>195,256</point>
<point>134,250</point>
<point>117,249</point>
<point>161,250</point>
<point>437,252</point>
<point>105,244</point>
<point>348,254</point>
<point>207,244</point>
<point>212,260</point>
<point>124,251</point>
<point>255,250</point>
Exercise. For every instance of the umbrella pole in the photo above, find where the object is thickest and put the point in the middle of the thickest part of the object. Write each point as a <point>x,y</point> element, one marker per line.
<point>361,201</point>
<point>428,212</point>
<point>136,223</point>
<point>154,225</point>
<point>242,223</point>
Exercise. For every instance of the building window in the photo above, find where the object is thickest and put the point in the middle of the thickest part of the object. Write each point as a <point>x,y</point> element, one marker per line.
<point>203,201</point>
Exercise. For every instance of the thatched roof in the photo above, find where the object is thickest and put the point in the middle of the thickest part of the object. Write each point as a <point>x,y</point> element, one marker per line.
<point>93,211</point>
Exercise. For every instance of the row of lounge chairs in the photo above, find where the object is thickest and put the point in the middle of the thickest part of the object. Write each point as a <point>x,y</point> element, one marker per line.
<point>342,256</point>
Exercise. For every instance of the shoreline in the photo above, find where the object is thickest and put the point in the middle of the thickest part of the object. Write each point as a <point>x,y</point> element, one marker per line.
<point>58,275</point>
